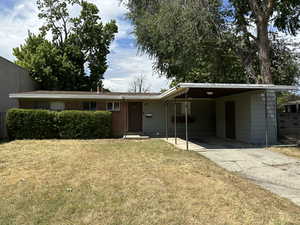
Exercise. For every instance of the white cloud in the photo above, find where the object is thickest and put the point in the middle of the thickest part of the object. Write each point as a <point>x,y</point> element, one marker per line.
<point>15,24</point>
<point>124,63</point>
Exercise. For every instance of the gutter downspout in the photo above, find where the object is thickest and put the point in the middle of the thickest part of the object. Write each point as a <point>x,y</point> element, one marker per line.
<point>266,120</point>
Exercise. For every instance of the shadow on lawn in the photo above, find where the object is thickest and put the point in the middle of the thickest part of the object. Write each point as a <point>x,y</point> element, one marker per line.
<point>4,141</point>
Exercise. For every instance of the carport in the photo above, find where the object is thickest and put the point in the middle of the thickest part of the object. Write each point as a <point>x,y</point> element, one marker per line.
<point>243,112</point>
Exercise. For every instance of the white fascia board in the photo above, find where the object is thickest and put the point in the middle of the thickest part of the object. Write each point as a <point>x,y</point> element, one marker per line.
<point>239,86</point>
<point>175,91</point>
<point>87,97</point>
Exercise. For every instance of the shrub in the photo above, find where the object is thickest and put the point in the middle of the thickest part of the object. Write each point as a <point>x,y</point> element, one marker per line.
<point>84,125</point>
<point>44,124</point>
<point>31,124</point>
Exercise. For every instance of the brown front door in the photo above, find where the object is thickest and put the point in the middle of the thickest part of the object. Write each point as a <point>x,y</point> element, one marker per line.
<point>135,116</point>
<point>230,119</point>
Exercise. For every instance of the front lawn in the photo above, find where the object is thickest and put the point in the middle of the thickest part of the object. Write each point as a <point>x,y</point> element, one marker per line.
<point>117,182</point>
<point>289,151</point>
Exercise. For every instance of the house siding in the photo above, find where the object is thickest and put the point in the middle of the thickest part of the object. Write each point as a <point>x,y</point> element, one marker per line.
<point>258,120</point>
<point>208,114</point>
<point>203,112</point>
<point>250,117</point>
<point>13,79</point>
<point>242,116</point>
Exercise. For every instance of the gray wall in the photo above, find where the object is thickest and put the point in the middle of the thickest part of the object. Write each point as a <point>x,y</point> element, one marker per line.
<point>250,117</point>
<point>12,79</point>
<point>242,119</point>
<point>210,118</point>
<point>203,111</point>
<point>258,117</point>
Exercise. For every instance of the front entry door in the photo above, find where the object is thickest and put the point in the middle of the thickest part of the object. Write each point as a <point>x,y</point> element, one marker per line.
<point>135,116</point>
<point>230,119</point>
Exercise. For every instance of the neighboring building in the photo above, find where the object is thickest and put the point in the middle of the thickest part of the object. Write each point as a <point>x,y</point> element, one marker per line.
<point>13,78</point>
<point>289,120</point>
<point>292,107</point>
<point>235,111</point>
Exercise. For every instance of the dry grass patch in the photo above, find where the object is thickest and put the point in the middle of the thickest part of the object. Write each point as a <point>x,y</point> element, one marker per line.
<point>289,151</point>
<point>119,182</point>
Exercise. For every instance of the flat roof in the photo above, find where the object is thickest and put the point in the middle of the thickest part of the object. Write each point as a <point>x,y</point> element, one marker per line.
<point>199,90</point>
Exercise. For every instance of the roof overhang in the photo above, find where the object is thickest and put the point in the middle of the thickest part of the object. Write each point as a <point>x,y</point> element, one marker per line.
<point>178,90</point>
<point>82,97</point>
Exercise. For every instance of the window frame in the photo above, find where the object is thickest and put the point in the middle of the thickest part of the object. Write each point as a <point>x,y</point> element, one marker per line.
<point>113,108</point>
<point>53,108</point>
<point>90,108</point>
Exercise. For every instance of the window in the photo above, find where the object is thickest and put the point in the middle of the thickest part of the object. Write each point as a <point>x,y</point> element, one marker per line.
<point>89,106</point>
<point>57,106</point>
<point>180,108</point>
<point>113,106</point>
<point>41,105</point>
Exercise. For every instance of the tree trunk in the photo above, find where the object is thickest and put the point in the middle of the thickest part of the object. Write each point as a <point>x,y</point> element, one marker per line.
<point>263,44</point>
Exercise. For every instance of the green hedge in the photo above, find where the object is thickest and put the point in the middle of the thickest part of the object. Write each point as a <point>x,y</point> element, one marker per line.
<point>44,124</point>
<point>31,124</point>
<point>84,125</point>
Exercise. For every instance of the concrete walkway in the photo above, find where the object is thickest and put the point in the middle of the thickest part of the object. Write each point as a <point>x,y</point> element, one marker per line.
<point>272,171</point>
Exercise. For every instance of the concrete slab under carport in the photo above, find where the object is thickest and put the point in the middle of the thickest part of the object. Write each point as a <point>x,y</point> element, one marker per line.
<point>272,171</point>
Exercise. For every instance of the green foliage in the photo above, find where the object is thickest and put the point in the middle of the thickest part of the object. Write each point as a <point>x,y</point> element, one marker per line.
<point>84,125</point>
<point>285,65</point>
<point>185,41</point>
<point>203,41</point>
<point>267,16</point>
<point>284,97</point>
<point>78,43</point>
<point>44,124</point>
<point>31,124</point>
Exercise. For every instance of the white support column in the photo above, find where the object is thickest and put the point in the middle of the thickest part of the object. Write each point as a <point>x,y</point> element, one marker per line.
<point>175,122</point>
<point>186,123</point>
<point>266,119</point>
<point>167,135</point>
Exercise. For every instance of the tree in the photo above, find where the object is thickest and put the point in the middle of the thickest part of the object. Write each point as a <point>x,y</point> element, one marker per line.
<point>48,65</point>
<point>184,39</point>
<point>77,53</point>
<point>139,85</point>
<point>285,15</point>
<point>203,41</point>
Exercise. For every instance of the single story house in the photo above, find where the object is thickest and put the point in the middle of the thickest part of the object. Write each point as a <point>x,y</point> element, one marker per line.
<point>13,78</point>
<point>244,112</point>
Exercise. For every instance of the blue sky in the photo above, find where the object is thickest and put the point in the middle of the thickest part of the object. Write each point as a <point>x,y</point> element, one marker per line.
<point>19,16</point>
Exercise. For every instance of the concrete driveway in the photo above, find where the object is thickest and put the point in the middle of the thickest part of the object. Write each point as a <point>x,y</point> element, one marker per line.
<point>273,171</point>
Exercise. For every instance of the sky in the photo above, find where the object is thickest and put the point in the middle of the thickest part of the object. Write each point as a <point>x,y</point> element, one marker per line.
<point>17,17</point>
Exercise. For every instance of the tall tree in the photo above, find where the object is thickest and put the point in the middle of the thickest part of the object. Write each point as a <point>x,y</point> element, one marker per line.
<point>203,41</point>
<point>285,16</point>
<point>82,42</point>
<point>184,38</point>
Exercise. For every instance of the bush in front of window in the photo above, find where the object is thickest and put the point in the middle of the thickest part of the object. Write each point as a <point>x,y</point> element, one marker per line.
<point>45,124</point>
<point>84,124</point>
<point>31,124</point>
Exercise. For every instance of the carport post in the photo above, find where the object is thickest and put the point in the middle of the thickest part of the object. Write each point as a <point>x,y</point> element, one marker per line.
<point>175,123</point>
<point>167,136</point>
<point>186,123</point>
<point>266,119</point>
